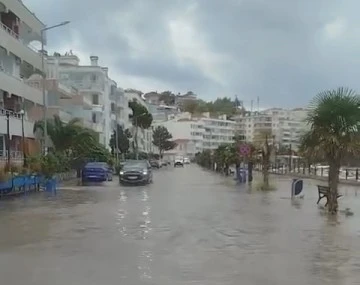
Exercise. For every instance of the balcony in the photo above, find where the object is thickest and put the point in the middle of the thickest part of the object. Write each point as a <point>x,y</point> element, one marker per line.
<point>65,91</point>
<point>57,111</point>
<point>17,86</point>
<point>97,127</point>
<point>78,100</point>
<point>85,123</point>
<point>98,108</point>
<point>26,16</point>
<point>15,124</point>
<point>87,86</point>
<point>12,43</point>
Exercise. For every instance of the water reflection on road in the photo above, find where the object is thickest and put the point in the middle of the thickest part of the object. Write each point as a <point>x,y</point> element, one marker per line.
<point>188,227</point>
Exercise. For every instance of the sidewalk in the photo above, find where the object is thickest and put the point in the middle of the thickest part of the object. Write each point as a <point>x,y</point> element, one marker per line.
<point>352,182</point>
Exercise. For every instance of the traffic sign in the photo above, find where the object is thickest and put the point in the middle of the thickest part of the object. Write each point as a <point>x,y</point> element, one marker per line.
<point>244,149</point>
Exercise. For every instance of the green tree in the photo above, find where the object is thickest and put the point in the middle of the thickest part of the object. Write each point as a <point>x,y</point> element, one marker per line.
<point>162,139</point>
<point>334,118</point>
<point>123,140</point>
<point>64,135</point>
<point>141,118</point>
<point>167,97</point>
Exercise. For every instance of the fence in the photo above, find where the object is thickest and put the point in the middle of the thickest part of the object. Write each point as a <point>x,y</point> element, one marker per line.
<point>350,173</point>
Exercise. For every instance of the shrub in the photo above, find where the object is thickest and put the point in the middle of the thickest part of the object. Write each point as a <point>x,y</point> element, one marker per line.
<point>15,168</point>
<point>4,175</point>
<point>49,165</point>
<point>34,163</point>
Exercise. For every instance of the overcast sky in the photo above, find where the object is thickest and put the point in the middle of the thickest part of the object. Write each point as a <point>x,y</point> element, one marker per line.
<point>284,51</point>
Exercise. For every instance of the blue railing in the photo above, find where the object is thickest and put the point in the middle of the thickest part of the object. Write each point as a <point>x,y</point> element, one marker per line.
<point>21,183</point>
<point>27,183</point>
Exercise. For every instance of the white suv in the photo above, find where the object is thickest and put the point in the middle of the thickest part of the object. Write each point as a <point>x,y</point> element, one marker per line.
<point>179,161</point>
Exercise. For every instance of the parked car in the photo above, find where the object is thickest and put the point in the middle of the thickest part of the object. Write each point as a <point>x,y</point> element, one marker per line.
<point>186,160</point>
<point>136,172</point>
<point>164,163</point>
<point>97,171</point>
<point>155,164</point>
<point>179,161</point>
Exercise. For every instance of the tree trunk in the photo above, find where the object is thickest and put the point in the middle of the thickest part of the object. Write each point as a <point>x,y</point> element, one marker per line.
<point>265,172</point>
<point>334,169</point>
<point>136,142</point>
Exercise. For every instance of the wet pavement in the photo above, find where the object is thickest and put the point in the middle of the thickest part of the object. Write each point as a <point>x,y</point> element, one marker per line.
<point>188,227</point>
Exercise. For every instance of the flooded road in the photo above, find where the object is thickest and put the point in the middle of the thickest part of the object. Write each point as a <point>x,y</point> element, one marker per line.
<point>188,227</point>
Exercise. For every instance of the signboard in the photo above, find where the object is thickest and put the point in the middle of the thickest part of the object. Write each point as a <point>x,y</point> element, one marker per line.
<point>244,149</point>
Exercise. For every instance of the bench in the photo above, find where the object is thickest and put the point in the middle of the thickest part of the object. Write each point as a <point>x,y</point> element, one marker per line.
<point>324,192</point>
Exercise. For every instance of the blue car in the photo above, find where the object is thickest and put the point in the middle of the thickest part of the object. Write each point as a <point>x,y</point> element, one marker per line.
<point>97,171</point>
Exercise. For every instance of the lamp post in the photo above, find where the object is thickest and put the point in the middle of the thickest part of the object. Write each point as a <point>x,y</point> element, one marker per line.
<point>117,129</point>
<point>44,78</point>
<point>8,137</point>
<point>22,113</point>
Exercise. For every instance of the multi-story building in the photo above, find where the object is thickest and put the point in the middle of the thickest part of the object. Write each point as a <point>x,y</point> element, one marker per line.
<point>18,61</point>
<point>94,85</point>
<point>195,134</point>
<point>162,112</point>
<point>286,126</point>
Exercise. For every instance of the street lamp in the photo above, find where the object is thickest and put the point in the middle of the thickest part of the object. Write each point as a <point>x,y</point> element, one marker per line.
<point>22,113</point>
<point>44,77</point>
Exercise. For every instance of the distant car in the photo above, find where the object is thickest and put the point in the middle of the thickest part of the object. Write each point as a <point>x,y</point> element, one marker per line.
<point>186,160</point>
<point>164,163</point>
<point>97,171</point>
<point>136,172</point>
<point>155,163</point>
<point>179,162</point>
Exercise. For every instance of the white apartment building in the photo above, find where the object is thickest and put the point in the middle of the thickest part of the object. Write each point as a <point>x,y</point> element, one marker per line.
<point>18,61</point>
<point>286,125</point>
<point>195,134</point>
<point>95,87</point>
<point>144,137</point>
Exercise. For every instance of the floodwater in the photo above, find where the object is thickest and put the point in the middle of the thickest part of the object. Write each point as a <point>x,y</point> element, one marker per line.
<point>189,227</point>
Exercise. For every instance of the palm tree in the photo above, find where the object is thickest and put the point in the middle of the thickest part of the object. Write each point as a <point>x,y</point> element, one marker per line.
<point>64,135</point>
<point>334,119</point>
<point>264,143</point>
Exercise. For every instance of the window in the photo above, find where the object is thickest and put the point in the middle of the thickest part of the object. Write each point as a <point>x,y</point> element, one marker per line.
<point>93,78</point>
<point>113,107</point>
<point>93,118</point>
<point>95,99</point>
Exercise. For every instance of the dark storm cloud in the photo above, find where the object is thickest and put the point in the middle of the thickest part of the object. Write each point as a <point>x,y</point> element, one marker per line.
<point>278,50</point>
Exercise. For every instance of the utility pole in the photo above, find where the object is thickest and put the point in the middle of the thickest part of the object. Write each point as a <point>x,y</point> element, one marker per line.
<point>117,128</point>
<point>44,80</point>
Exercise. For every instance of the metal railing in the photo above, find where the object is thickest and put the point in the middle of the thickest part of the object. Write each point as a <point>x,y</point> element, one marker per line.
<point>4,112</point>
<point>345,173</point>
<point>21,80</point>
<point>14,154</point>
<point>17,37</point>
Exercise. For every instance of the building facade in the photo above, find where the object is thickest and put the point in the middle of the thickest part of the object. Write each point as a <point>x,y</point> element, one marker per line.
<point>18,62</point>
<point>95,89</point>
<point>198,133</point>
<point>286,126</point>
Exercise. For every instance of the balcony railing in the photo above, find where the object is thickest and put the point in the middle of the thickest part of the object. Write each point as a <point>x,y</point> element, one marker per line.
<point>14,154</point>
<point>16,36</point>
<point>13,84</point>
<point>4,112</point>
